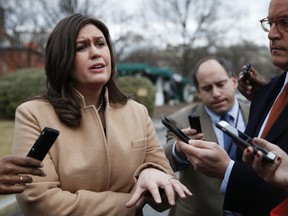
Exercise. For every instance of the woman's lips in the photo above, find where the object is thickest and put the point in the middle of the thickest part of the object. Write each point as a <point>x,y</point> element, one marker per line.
<point>97,68</point>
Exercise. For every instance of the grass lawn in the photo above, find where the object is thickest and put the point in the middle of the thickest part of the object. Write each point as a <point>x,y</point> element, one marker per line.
<point>6,137</point>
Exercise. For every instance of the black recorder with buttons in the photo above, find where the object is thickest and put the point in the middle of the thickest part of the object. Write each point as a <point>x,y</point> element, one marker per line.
<point>172,127</point>
<point>243,141</point>
<point>43,144</point>
<point>246,71</point>
<point>194,121</point>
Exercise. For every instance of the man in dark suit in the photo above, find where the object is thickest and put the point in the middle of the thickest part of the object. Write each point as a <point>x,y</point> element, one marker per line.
<point>216,85</point>
<point>245,192</point>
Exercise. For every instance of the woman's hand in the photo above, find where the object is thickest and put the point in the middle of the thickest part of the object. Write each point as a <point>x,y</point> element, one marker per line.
<point>272,172</point>
<point>151,180</point>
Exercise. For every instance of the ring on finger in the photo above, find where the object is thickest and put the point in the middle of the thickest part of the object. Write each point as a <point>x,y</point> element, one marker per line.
<point>170,178</point>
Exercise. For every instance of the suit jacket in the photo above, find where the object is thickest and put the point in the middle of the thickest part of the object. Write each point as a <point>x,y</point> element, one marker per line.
<point>206,199</point>
<point>89,172</point>
<point>246,192</point>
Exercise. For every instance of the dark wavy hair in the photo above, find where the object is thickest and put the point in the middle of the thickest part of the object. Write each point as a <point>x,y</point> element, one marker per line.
<point>225,64</point>
<point>59,60</point>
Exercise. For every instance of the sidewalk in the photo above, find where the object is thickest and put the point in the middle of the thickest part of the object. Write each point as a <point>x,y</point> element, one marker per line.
<point>8,205</point>
<point>165,110</point>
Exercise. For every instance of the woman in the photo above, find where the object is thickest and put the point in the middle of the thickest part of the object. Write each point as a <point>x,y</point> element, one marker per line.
<point>107,149</point>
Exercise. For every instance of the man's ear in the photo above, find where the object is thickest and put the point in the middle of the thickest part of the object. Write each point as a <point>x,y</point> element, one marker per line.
<point>235,81</point>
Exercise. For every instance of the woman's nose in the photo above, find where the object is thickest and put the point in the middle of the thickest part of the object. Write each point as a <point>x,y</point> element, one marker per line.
<point>94,52</point>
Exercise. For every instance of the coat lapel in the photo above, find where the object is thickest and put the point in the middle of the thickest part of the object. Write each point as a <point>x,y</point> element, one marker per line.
<point>262,103</point>
<point>206,123</point>
<point>279,127</point>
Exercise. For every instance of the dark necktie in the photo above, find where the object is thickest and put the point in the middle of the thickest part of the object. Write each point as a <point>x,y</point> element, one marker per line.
<point>276,109</point>
<point>230,148</point>
<point>228,145</point>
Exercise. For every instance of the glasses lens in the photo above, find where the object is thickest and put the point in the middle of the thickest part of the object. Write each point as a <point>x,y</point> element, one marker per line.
<point>266,25</point>
<point>282,25</point>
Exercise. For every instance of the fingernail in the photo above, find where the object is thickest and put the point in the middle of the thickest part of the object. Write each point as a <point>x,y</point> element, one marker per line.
<point>247,150</point>
<point>278,158</point>
<point>172,202</point>
<point>257,155</point>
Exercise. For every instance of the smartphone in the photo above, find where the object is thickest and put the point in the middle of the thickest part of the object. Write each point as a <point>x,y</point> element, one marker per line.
<point>43,144</point>
<point>172,127</point>
<point>246,71</point>
<point>194,121</point>
<point>243,141</point>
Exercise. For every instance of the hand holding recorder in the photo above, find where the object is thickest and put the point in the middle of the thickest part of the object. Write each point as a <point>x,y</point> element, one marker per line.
<point>15,173</point>
<point>172,127</point>
<point>275,173</point>
<point>250,81</point>
<point>194,122</point>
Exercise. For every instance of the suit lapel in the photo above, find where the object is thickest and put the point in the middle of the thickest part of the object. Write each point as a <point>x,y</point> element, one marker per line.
<point>279,127</point>
<point>262,103</point>
<point>244,111</point>
<point>206,124</point>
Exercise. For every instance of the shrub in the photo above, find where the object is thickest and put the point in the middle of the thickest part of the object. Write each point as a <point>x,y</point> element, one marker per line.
<point>17,87</point>
<point>141,90</point>
<point>22,84</point>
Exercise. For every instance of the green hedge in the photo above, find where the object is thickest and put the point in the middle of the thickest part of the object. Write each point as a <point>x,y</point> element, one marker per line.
<point>141,89</point>
<point>16,87</point>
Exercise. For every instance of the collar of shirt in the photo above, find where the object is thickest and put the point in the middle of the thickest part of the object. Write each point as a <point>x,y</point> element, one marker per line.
<point>232,112</point>
<point>286,79</point>
<point>216,118</point>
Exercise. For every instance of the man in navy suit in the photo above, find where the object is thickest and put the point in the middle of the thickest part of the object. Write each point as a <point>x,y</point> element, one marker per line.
<point>244,191</point>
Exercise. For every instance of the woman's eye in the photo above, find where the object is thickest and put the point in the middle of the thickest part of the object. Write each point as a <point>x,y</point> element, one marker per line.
<point>81,47</point>
<point>100,43</point>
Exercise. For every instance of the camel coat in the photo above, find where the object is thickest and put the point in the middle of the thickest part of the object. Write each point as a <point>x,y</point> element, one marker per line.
<point>88,173</point>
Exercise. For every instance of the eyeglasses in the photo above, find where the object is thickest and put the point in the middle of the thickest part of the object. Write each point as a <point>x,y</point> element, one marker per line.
<point>281,24</point>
